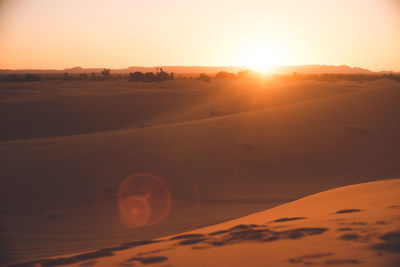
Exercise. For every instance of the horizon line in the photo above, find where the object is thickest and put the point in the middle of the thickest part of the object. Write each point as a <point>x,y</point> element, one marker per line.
<point>198,66</point>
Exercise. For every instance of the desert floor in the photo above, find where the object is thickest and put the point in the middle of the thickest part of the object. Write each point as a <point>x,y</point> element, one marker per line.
<point>221,150</point>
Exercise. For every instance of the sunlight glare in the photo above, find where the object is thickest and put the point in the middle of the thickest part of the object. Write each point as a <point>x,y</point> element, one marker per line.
<point>262,58</point>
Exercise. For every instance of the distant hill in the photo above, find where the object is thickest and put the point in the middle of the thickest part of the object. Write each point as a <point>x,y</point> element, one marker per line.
<point>175,69</point>
<point>304,69</point>
<point>319,69</point>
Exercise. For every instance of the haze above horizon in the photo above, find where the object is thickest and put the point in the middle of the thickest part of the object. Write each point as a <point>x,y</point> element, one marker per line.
<point>258,34</point>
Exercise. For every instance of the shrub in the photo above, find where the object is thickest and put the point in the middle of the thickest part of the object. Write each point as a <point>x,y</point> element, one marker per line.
<point>225,75</point>
<point>204,77</point>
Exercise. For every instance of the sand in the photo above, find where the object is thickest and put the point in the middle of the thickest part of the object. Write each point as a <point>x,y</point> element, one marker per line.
<point>223,150</point>
<point>352,225</point>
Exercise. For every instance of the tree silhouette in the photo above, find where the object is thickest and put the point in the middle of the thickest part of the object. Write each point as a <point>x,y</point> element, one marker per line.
<point>159,76</point>
<point>204,77</point>
<point>83,76</point>
<point>93,76</point>
<point>66,76</point>
<point>225,75</point>
<point>106,74</point>
<point>148,77</point>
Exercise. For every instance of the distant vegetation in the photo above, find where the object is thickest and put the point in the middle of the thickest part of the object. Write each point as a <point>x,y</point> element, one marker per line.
<point>104,75</point>
<point>225,75</point>
<point>204,77</point>
<point>21,78</point>
<point>160,75</point>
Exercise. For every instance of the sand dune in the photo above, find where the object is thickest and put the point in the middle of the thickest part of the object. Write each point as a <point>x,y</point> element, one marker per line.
<point>256,150</point>
<point>352,225</point>
<point>49,109</point>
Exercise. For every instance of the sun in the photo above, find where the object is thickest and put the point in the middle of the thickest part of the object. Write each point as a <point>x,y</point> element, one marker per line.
<point>262,58</point>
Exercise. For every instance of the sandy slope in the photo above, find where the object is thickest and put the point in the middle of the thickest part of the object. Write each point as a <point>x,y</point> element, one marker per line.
<point>59,195</point>
<point>57,108</point>
<point>352,225</point>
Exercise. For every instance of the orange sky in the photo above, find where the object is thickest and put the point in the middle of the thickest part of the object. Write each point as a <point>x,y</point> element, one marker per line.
<point>260,33</point>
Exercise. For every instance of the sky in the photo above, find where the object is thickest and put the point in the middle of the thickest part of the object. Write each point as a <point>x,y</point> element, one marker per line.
<point>58,34</point>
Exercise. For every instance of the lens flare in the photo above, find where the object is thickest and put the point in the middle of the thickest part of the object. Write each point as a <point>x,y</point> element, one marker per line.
<point>144,200</point>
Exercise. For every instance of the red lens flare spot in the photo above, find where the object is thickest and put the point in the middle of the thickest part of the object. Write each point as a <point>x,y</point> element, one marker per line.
<point>144,200</point>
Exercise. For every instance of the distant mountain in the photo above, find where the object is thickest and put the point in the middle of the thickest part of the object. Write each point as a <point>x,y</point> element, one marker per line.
<point>175,69</point>
<point>301,69</point>
<point>320,69</point>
